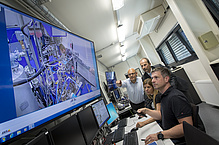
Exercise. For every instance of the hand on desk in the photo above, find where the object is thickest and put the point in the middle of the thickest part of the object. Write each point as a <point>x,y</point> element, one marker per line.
<point>151,138</point>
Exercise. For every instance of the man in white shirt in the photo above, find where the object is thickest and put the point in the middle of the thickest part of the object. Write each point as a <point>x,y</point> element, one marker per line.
<point>135,89</point>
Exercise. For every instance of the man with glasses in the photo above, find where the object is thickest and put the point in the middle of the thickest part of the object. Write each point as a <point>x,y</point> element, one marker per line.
<point>135,89</point>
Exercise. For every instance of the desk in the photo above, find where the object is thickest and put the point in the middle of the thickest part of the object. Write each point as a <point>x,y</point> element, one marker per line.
<point>144,131</point>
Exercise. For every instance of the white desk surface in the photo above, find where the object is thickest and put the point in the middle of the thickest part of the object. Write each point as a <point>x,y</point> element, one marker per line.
<point>144,131</point>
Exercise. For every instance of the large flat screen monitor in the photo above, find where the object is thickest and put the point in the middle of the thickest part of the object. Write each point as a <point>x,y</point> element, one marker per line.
<point>111,80</point>
<point>100,111</point>
<point>41,139</point>
<point>113,114</point>
<point>68,132</point>
<point>88,124</point>
<point>45,72</point>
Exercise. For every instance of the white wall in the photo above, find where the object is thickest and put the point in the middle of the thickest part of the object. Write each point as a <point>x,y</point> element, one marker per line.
<point>122,68</point>
<point>167,24</point>
<point>195,20</point>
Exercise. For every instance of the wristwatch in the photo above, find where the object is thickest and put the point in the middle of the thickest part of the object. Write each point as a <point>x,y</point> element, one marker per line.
<point>160,136</point>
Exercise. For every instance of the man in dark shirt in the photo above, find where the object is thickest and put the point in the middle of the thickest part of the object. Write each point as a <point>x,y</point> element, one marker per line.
<point>147,68</point>
<point>175,108</point>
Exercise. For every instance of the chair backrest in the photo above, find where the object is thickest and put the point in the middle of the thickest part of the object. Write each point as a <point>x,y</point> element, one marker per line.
<point>194,136</point>
<point>197,122</point>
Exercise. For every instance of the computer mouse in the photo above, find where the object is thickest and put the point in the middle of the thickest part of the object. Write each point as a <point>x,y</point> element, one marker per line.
<point>134,129</point>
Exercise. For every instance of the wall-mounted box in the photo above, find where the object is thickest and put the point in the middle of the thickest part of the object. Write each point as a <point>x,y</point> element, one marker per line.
<point>208,40</point>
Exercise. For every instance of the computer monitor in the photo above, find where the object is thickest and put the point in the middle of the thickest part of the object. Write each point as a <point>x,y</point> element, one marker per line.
<point>41,139</point>
<point>111,80</point>
<point>113,114</point>
<point>116,94</point>
<point>46,72</point>
<point>68,132</point>
<point>88,124</point>
<point>194,136</point>
<point>101,112</point>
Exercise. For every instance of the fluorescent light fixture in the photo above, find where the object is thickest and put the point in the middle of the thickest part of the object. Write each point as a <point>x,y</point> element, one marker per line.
<point>117,4</point>
<point>123,58</point>
<point>121,33</point>
<point>122,49</point>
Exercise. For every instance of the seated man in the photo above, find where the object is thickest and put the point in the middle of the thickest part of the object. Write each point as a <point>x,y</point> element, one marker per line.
<point>175,108</point>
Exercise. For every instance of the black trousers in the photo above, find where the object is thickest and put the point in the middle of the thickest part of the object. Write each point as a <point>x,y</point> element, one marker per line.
<point>135,107</point>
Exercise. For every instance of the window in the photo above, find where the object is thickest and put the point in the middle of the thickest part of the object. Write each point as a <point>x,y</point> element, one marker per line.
<point>176,49</point>
<point>213,7</point>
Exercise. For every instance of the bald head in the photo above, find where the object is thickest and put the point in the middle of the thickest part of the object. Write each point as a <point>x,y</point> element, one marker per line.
<point>132,74</point>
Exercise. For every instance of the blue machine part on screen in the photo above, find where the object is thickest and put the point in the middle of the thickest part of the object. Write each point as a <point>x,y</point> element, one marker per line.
<point>48,66</point>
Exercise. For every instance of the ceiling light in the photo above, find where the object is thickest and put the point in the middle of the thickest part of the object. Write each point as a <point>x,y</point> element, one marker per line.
<point>117,4</point>
<point>122,49</point>
<point>123,58</point>
<point>121,34</point>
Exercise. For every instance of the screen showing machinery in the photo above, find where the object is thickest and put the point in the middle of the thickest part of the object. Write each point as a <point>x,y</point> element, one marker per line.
<point>101,113</point>
<point>111,80</point>
<point>45,72</point>
<point>113,114</point>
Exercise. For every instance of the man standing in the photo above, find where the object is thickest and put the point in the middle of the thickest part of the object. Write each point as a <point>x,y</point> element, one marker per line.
<point>147,68</point>
<point>175,108</point>
<point>135,89</point>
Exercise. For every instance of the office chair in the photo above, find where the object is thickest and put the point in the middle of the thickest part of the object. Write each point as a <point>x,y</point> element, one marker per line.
<point>197,122</point>
<point>194,136</point>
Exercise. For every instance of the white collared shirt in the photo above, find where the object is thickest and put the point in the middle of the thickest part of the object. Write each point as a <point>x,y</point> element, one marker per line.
<point>135,90</point>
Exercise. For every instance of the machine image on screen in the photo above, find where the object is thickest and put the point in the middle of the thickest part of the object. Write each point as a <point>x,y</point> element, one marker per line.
<point>45,72</point>
<point>113,114</point>
<point>111,80</point>
<point>101,113</point>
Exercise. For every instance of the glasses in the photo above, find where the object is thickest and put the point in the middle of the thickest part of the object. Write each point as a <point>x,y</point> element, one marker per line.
<point>131,74</point>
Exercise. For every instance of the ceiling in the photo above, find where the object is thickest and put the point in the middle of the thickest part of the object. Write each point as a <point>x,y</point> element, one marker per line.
<point>96,21</point>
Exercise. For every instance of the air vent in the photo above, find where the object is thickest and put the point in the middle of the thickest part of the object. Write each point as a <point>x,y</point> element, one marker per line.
<point>150,20</point>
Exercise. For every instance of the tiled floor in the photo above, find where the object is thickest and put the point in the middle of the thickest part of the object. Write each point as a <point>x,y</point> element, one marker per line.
<point>210,117</point>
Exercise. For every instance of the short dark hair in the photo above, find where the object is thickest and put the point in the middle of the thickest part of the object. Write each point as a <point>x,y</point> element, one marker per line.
<point>146,59</point>
<point>163,70</point>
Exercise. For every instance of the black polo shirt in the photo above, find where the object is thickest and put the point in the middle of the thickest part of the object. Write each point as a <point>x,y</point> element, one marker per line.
<point>174,105</point>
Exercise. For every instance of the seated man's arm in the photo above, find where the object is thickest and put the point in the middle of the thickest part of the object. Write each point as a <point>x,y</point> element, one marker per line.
<point>177,131</point>
<point>174,132</point>
<point>155,114</point>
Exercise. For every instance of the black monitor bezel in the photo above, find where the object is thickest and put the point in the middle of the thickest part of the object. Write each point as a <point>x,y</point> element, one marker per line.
<point>63,122</point>
<point>101,99</point>
<point>88,118</point>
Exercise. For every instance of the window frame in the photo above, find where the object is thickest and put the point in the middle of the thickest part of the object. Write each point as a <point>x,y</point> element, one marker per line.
<point>176,30</point>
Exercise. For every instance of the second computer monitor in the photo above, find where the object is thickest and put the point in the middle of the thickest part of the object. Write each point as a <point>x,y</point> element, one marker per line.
<point>88,124</point>
<point>100,111</point>
<point>113,114</point>
<point>68,132</point>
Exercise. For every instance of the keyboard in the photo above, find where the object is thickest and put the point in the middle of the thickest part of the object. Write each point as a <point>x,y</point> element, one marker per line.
<point>122,123</point>
<point>118,135</point>
<point>131,138</point>
<point>109,138</point>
